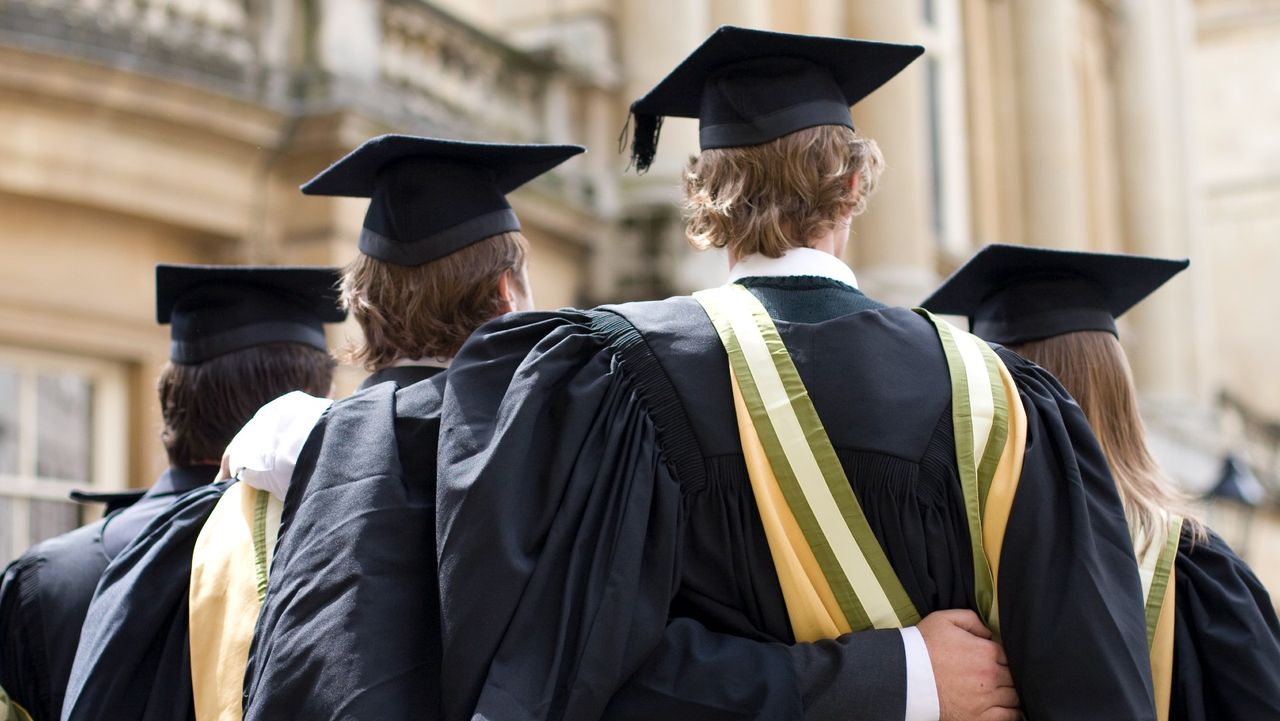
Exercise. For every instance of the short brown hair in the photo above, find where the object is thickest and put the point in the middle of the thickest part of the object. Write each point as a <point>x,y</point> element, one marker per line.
<point>205,404</point>
<point>779,195</point>
<point>428,310</point>
<point>1094,369</point>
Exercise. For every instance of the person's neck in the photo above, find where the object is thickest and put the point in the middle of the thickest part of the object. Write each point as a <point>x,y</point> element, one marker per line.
<point>833,242</point>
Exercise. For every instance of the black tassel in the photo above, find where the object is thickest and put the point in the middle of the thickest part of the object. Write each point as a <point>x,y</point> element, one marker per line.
<point>644,139</point>
<point>624,135</point>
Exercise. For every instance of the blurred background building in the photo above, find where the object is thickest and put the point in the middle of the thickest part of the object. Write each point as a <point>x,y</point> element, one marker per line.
<point>141,131</point>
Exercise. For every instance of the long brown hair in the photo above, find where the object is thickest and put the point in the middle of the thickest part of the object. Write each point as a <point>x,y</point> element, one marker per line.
<point>1094,369</point>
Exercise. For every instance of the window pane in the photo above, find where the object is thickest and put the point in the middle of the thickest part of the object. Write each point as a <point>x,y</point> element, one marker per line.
<point>8,421</point>
<point>63,426</point>
<point>50,518</point>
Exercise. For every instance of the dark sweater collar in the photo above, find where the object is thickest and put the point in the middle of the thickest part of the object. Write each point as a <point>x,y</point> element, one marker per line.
<point>807,299</point>
<point>796,282</point>
<point>180,479</point>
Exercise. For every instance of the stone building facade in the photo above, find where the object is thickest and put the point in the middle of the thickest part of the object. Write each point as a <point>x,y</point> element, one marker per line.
<point>141,131</point>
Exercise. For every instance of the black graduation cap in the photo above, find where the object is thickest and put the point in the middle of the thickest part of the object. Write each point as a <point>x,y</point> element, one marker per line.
<point>430,197</point>
<point>216,309</point>
<point>1015,293</point>
<point>748,87</point>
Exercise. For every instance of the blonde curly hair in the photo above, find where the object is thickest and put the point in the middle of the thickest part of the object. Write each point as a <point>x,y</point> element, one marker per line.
<point>768,198</point>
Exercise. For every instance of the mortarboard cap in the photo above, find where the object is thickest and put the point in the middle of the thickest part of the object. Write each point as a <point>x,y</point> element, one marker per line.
<point>748,87</point>
<point>1016,294</point>
<point>113,500</point>
<point>430,197</point>
<point>216,309</point>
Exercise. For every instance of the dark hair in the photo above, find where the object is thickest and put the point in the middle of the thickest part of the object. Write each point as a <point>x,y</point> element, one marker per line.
<point>205,404</point>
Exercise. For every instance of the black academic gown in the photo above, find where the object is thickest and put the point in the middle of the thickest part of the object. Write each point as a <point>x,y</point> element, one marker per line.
<point>133,650</point>
<point>44,596</point>
<point>1227,639</point>
<point>348,629</point>
<point>134,656</point>
<point>592,488</point>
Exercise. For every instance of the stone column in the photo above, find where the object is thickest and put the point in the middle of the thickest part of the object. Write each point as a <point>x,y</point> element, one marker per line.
<point>744,13</point>
<point>1206,366</point>
<point>825,17</point>
<point>658,35</point>
<point>1054,200</point>
<point>1154,147</point>
<point>893,249</point>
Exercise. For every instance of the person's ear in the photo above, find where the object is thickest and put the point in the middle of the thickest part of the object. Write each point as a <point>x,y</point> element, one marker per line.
<point>505,289</point>
<point>855,182</point>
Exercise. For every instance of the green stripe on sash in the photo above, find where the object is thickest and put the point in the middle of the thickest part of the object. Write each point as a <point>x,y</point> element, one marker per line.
<point>259,533</point>
<point>808,472</point>
<point>1160,578</point>
<point>980,416</point>
<point>999,429</point>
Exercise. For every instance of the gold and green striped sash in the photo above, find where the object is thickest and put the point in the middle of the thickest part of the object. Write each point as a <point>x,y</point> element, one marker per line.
<point>980,417</point>
<point>834,575</point>
<point>229,569</point>
<point>867,592</point>
<point>1156,569</point>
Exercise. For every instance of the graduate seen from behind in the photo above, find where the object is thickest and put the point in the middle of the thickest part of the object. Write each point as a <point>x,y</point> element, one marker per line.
<point>781,459</point>
<point>371,533</point>
<point>240,337</point>
<point>1212,628</point>
<point>349,627</point>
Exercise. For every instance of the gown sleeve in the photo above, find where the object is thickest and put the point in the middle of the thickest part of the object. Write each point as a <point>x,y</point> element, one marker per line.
<point>557,523</point>
<point>1070,599</point>
<point>133,661</point>
<point>558,531</point>
<point>1227,639</point>
<point>348,629</point>
<point>23,662</point>
<point>695,673</point>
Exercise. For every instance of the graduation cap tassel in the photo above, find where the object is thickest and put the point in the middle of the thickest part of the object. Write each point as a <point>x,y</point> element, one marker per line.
<point>644,139</point>
<point>626,131</point>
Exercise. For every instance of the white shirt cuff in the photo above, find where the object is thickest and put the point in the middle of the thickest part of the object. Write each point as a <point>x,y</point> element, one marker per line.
<point>264,452</point>
<point>922,689</point>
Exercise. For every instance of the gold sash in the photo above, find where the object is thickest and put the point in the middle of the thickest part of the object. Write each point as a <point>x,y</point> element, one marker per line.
<point>228,582</point>
<point>1157,569</point>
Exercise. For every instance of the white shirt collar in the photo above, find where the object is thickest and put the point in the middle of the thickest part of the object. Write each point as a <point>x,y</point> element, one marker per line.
<point>431,362</point>
<point>796,261</point>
